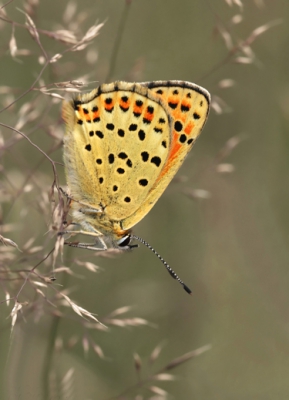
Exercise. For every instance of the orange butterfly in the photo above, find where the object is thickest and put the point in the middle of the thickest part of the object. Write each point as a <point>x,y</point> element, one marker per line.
<point>124,143</point>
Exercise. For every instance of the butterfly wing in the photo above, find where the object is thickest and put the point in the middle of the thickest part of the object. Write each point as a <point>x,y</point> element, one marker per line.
<point>123,144</point>
<point>116,144</point>
<point>188,105</point>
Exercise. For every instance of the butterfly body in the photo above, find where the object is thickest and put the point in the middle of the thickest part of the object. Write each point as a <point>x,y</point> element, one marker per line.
<point>123,144</point>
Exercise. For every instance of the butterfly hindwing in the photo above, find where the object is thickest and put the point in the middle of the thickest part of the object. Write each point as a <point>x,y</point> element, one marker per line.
<point>188,106</point>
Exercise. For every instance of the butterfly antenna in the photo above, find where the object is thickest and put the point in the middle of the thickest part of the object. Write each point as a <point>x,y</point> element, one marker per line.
<point>169,269</point>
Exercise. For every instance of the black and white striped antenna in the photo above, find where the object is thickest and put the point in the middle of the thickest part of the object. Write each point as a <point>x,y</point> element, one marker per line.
<point>169,269</point>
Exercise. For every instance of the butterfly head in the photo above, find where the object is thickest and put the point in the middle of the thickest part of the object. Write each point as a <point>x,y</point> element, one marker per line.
<point>124,243</point>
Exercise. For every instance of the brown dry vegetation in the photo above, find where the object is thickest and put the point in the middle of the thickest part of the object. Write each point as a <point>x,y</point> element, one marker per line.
<point>222,224</point>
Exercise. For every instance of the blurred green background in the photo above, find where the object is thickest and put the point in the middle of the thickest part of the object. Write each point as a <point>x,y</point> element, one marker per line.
<point>230,248</point>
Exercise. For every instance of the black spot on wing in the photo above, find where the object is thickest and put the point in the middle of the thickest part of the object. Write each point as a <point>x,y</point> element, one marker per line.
<point>156,160</point>
<point>173,105</point>
<point>145,156</point>
<point>141,135</point>
<point>183,138</point>
<point>99,134</point>
<point>122,155</point>
<point>178,126</point>
<point>158,130</point>
<point>143,182</point>
<point>184,108</point>
<point>132,127</point>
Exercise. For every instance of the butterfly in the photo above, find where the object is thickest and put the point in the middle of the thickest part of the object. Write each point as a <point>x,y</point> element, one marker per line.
<point>123,144</point>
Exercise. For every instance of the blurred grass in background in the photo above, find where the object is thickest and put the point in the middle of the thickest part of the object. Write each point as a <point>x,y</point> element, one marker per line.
<point>222,224</point>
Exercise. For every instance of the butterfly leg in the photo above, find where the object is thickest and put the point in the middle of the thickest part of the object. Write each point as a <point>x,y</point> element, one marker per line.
<point>88,246</point>
<point>90,210</point>
<point>99,244</point>
<point>96,233</point>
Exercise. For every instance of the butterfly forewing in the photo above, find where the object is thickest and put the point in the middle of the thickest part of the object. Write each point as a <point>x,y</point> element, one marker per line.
<point>119,138</point>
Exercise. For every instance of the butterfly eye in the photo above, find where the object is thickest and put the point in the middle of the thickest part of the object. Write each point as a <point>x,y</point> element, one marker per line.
<point>124,241</point>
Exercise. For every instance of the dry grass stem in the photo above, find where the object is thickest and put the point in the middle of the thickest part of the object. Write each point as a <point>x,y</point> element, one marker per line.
<point>8,242</point>
<point>137,362</point>
<point>225,168</point>
<point>186,357</point>
<point>37,269</point>
<point>155,353</point>
<point>159,391</point>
